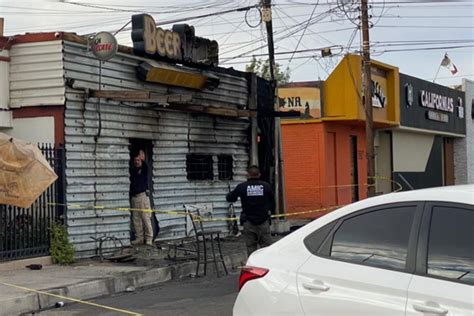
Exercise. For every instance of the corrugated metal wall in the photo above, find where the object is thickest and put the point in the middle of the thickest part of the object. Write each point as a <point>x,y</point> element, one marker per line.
<point>97,168</point>
<point>36,74</point>
<point>4,83</point>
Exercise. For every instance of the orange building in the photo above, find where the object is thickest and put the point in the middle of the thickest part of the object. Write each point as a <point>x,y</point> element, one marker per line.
<point>325,156</point>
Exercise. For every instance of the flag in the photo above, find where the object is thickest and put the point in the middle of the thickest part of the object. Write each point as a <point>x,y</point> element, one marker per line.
<point>446,62</point>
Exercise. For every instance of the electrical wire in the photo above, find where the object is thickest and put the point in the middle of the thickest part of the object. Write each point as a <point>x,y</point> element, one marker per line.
<point>294,30</point>
<point>304,30</point>
<point>294,20</point>
<point>259,20</point>
<point>428,26</point>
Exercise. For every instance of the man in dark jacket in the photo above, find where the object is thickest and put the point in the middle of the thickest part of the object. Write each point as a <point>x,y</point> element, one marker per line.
<point>140,200</point>
<point>258,202</point>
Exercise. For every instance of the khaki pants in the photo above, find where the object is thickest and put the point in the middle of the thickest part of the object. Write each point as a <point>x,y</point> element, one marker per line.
<point>141,219</point>
<point>255,235</point>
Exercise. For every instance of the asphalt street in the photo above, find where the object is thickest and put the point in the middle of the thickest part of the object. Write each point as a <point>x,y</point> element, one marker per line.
<point>191,296</point>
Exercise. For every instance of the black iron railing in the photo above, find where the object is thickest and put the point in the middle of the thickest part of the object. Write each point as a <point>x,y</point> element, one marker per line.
<point>25,232</point>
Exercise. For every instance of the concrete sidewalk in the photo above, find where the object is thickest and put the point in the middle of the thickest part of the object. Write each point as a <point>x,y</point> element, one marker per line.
<point>87,280</point>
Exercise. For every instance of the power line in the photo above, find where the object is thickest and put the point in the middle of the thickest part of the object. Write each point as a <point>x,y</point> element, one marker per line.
<point>453,77</point>
<point>356,51</point>
<point>405,2</point>
<point>297,28</point>
<point>427,17</point>
<point>294,20</point>
<point>425,49</point>
<point>72,25</point>
<point>305,28</point>
<point>285,26</point>
<point>280,38</point>
<point>427,26</point>
<point>109,8</point>
<point>190,18</point>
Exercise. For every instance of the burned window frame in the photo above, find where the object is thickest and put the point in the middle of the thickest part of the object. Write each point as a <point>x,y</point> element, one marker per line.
<point>225,167</point>
<point>193,171</point>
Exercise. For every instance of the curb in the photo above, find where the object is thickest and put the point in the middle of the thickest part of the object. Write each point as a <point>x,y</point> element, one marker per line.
<point>33,302</point>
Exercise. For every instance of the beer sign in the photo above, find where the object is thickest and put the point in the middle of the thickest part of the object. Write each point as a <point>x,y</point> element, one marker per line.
<point>178,45</point>
<point>154,40</point>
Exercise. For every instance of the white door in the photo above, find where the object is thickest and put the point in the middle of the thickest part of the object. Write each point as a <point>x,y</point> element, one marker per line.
<point>361,269</point>
<point>446,283</point>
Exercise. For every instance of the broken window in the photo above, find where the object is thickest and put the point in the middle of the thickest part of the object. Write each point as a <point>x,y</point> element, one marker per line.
<point>199,167</point>
<point>225,167</point>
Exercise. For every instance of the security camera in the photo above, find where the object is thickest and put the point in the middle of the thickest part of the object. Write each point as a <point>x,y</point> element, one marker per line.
<point>57,35</point>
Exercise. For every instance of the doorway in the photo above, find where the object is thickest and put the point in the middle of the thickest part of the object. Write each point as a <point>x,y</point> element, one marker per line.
<point>448,161</point>
<point>383,163</point>
<point>354,170</point>
<point>331,172</point>
<point>137,144</point>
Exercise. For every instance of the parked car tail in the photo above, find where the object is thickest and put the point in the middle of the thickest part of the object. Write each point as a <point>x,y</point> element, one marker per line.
<point>251,273</point>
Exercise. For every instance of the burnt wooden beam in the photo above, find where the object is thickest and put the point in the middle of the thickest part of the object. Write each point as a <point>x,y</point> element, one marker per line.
<point>171,101</point>
<point>228,112</point>
<point>140,96</point>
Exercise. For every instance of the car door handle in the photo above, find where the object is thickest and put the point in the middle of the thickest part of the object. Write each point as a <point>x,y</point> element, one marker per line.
<point>422,308</point>
<point>316,285</point>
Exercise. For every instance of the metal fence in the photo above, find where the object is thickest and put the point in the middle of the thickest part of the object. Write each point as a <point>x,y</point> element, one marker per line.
<point>25,232</point>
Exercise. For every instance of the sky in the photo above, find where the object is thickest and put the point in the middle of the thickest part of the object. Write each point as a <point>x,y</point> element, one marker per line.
<point>413,35</point>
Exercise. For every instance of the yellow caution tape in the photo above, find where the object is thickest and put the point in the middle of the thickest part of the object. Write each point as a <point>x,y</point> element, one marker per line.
<point>196,218</point>
<point>123,209</point>
<point>355,185</point>
<point>71,299</point>
<point>400,187</point>
<point>307,212</point>
<point>205,219</point>
<point>230,219</point>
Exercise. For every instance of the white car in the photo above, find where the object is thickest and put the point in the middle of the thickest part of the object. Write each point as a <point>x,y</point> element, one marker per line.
<point>408,253</point>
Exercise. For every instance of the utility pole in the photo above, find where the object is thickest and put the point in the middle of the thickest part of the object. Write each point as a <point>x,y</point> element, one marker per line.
<point>367,88</point>
<point>267,18</point>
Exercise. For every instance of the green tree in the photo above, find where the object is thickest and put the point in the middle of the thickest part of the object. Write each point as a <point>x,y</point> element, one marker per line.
<point>262,68</point>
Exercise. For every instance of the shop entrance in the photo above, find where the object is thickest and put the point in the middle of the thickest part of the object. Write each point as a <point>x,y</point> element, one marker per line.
<point>354,170</point>
<point>448,161</point>
<point>145,145</point>
<point>383,163</point>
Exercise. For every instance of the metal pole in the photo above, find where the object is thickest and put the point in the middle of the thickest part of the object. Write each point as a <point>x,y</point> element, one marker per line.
<point>282,174</point>
<point>253,120</point>
<point>367,84</point>
<point>437,72</point>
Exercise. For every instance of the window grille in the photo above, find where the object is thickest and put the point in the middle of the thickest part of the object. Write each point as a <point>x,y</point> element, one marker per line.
<point>225,167</point>
<point>199,167</point>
